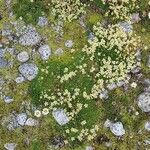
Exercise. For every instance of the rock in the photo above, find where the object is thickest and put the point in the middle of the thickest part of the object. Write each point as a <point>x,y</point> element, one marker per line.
<point>42,21</point>
<point>30,37</point>
<point>147,126</point>
<point>126,26</point>
<point>2,52</point>
<point>45,52</point>
<point>120,83</point>
<point>91,36</point>
<point>144,101</point>
<point>69,43</point>
<point>23,56</point>
<point>3,63</point>
<point>103,94</point>
<point>10,146</point>
<point>58,142</point>
<point>21,118</point>
<point>10,122</point>
<point>107,123</point>
<point>20,79</point>
<point>31,122</point>
<point>147,142</point>
<point>147,82</point>
<point>89,148</point>
<point>60,117</point>
<point>135,18</point>
<point>8,99</point>
<point>59,51</point>
<point>28,70</point>
<point>117,129</point>
<point>148,62</point>
<point>112,86</point>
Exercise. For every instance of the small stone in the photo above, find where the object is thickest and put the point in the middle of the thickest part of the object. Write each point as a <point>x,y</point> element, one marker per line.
<point>103,94</point>
<point>45,52</point>
<point>89,148</point>
<point>107,123</point>
<point>8,99</point>
<point>126,26</point>
<point>59,51</point>
<point>21,118</point>
<point>20,79</point>
<point>31,122</point>
<point>135,18</point>
<point>42,21</point>
<point>60,117</point>
<point>91,36</point>
<point>3,63</point>
<point>10,146</point>
<point>69,43</point>
<point>144,101</point>
<point>147,142</point>
<point>117,129</point>
<point>28,70</point>
<point>147,126</point>
<point>112,86</point>
<point>23,56</point>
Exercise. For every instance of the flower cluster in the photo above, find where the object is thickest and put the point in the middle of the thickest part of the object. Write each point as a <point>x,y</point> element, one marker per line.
<point>67,10</point>
<point>120,9</point>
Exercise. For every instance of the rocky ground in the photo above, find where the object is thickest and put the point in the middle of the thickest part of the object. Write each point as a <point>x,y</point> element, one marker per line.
<point>123,108</point>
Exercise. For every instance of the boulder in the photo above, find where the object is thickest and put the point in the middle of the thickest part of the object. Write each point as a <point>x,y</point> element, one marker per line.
<point>28,70</point>
<point>60,117</point>
<point>45,52</point>
<point>144,101</point>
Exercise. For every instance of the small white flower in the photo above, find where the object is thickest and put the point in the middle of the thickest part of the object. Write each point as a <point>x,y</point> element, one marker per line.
<point>134,84</point>
<point>37,113</point>
<point>45,111</point>
<point>149,15</point>
<point>31,1</point>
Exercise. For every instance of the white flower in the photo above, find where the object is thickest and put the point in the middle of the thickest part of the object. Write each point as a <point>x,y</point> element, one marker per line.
<point>37,113</point>
<point>31,1</point>
<point>45,111</point>
<point>134,84</point>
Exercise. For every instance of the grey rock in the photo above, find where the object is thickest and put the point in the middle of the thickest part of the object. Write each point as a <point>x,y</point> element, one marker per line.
<point>10,146</point>
<point>91,36</point>
<point>31,122</point>
<point>147,81</point>
<point>30,37</point>
<point>89,148</point>
<point>107,123</point>
<point>2,52</point>
<point>126,26</point>
<point>147,142</point>
<point>8,99</point>
<point>3,63</point>
<point>23,56</point>
<point>103,94</point>
<point>148,62</point>
<point>20,79</point>
<point>135,18</point>
<point>21,118</point>
<point>144,101</point>
<point>112,86</point>
<point>42,21</point>
<point>69,43</point>
<point>28,70</point>
<point>60,117</point>
<point>147,126</point>
<point>45,52</point>
<point>117,129</point>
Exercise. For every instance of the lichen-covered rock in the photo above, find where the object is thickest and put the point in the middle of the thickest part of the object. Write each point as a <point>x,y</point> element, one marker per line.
<point>59,51</point>
<point>45,52</point>
<point>3,63</point>
<point>144,101</point>
<point>23,56</point>
<point>10,146</point>
<point>8,99</point>
<point>20,79</point>
<point>28,70</point>
<point>60,117</point>
<point>117,129</point>
<point>30,37</point>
